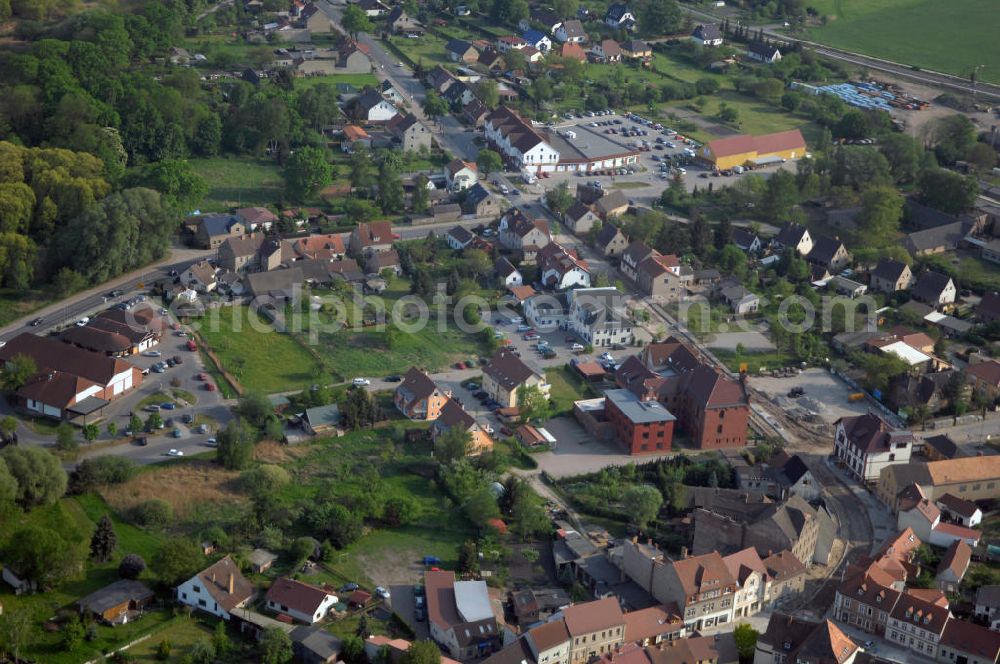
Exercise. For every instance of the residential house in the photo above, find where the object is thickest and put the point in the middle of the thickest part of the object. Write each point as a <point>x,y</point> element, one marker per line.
<point>301,601</point>
<point>793,236</point>
<point>985,378</point>
<point>459,95</point>
<point>571,32</point>
<point>610,241</point>
<point>459,50</point>
<point>537,39</point>
<point>595,629</point>
<point>476,112</point>
<point>960,511</point>
<point>740,300</point>
<point>458,238</point>
<point>747,240</point>
<point>964,642</point>
<point>491,60</point>
<point>380,261</point>
<point>239,254</point>
<point>389,91</point>
<point>655,274</point>
<point>607,50</point>
<point>352,58</point>
<point>219,589</point>
<point>454,415</point>
<point>636,49</point>
<point>460,175</point>
<point>786,577</point>
<point>639,427</point>
<point>323,420</point>
<point>509,276</point>
<point>506,374</point>
<point>971,478</point>
<point>371,237</point>
<point>211,230</point>
<point>200,277</point>
<point>935,240</point>
<point>418,397</point>
<point>549,642</point>
<point>573,51</point>
<point>917,624</point>
<point>519,142</point>
<point>510,43</point>
<point>560,268</point>
<point>612,204</point>
<point>707,34</point>
<point>829,253</point>
<point>791,639</point>
<point>314,20</point>
<point>890,276</point>
<point>654,625</point>
<point>460,616</point>
<point>370,106</point>
<point>987,604</point>
<point>935,289</point>
<point>953,566</point>
<point>763,52</point>
<point>113,603</point>
<point>320,247</point>
<point>598,316</point>
<point>400,23</point>
<point>531,605</point>
<point>940,447</point>
<point>794,477</point>
<point>702,588</point>
<point>354,135</point>
<point>314,645</point>
<point>256,218</point>
<point>440,79</point>
<point>409,133</point>
<point>480,203</point>
<point>546,18</point>
<point>866,444</point>
<point>619,16</point>
<point>520,234</point>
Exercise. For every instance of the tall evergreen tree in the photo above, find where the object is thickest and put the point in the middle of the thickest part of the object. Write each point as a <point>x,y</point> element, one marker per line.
<point>104,540</point>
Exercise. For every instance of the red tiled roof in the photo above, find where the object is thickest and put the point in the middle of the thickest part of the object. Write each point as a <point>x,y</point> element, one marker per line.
<point>590,617</point>
<point>766,144</point>
<point>296,595</point>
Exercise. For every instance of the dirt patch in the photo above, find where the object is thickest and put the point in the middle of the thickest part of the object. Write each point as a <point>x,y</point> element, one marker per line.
<point>272,452</point>
<point>391,567</point>
<point>185,487</point>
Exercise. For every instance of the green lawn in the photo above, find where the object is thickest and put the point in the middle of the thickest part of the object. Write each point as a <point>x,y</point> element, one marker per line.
<point>357,80</point>
<point>182,633</point>
<point>921,33</point>
<point>566,388</point>
<point>239,182</point>
<point>428,50</point>
<point>260,358</point>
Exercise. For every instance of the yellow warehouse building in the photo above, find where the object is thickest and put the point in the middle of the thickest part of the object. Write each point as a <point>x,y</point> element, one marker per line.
<point>743,150</point>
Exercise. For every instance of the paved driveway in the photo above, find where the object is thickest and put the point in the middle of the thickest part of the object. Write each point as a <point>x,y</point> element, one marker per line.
<point>820,387</point>
<point>402,603</point>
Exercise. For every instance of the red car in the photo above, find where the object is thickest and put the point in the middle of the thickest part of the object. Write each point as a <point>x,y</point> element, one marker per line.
<point>192,346</point>
<point>506,431</point>
<point>460,365</point>
<point>210,387</point>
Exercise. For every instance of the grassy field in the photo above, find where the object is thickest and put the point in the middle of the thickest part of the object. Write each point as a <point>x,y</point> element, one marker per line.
<point>566,388</point>
<point>754,360</point>
<point>259,357</point>
<point>182,633</point>
<point>428,50</point>
<point>239,182</point>
<point>16,303</point>
<point>916,32</point>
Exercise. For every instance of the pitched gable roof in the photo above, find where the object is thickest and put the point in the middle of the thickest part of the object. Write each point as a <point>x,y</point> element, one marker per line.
<point>889,269</point>
<point>508,370</point>
<point>297,596</point>
<point>930,285</point>
<point>216,579</point>
<point>590,617</point>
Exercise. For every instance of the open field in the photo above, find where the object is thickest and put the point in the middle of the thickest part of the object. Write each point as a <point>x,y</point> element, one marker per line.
<point>17,303</point>
<point>916,32</point>
<point>182,633</point>
<point>239,182</point>
<point>184,486</point>
<point>566,388</point>
<point>357,80</point>
<point>260,357</point>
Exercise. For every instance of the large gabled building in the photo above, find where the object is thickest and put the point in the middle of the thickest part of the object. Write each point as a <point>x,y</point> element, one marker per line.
<point>522,146</point>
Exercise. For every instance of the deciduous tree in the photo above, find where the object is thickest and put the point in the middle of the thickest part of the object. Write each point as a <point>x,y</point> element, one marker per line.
<point>306,172</point>
<point>40,477</point>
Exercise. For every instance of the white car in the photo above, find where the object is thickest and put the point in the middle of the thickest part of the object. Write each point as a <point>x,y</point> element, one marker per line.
<point>523,328</point>
<point>382,592</point>
<point>152,353</point>
<point>576,347</point>
<point>175,453</point>
<point>212,442</point>
<point>607,357</point>
<point>361,382</point>
<point>83,321</point>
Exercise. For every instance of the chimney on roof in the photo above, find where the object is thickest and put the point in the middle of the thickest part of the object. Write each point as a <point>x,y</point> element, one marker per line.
<point>213,577</point>
<point>684,552</point>
<point>232,582</point>
<point>635,539</point>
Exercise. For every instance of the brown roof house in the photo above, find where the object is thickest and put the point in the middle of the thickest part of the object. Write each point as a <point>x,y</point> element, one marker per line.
<point>791,639</point>
<point>453,415</point>
<point>522,235</point>
<point>891,276</point>
<point>418,397</point>
<point>505,374</point>
<point>256,218</point>
<point>409,133</point>
<point>304,602</point>
<point>368,238</point>
<point>219,589</point>
<point>579,218</point>
<point>954,564</point>
<point>460,616</point>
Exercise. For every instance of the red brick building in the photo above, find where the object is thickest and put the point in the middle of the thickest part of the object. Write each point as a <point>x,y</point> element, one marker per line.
<point>641,427</point>
<point>709,406</point>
